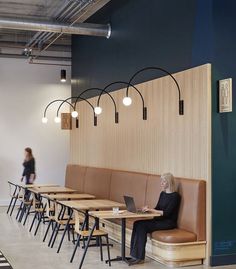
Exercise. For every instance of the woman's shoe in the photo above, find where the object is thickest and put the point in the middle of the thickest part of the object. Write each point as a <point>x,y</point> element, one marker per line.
<point>135,261</point>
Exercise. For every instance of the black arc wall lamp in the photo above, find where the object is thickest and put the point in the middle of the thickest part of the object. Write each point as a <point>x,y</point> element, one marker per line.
<point>97,109</point>
<point>127,100</point>
<point>56,119</point>
<point>124,100</point>
<point>74,113</point>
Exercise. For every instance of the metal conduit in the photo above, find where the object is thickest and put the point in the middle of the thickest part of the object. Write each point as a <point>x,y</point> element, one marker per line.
<point>79,29</point>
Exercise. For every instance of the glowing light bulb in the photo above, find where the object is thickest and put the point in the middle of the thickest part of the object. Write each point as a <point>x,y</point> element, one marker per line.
<point>57,119</point>
<point>97,110</point>
<point>44,120</point>
<point>127,101</point>
<point>74,114</point>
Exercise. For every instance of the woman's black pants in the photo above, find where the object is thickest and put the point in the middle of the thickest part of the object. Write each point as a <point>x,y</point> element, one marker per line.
<point>141,229</point>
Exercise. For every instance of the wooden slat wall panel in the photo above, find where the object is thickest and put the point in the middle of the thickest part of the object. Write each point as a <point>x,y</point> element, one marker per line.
<point>165,142</point>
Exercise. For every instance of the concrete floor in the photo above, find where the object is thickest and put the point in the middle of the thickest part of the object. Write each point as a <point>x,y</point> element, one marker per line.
<point>23,250</point>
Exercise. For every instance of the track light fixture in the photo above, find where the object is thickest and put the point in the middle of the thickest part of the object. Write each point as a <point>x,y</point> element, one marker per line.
<point>98,109</point>
<point>181,102</point>
<point>63,75</point>
<point>127,100</point>
<point>45,119</point>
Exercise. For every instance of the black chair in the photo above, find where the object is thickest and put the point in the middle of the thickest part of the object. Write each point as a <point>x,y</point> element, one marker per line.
<point>88,234</point>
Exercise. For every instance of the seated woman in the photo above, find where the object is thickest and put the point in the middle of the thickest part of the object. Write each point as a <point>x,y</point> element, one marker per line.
<point>168,207</point>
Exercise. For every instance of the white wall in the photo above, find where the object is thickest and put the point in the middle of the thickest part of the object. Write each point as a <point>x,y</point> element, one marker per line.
<point>25,90</point>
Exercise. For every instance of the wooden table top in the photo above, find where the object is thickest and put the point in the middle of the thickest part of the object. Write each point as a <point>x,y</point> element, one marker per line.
<point>20,184</point>
<point>92,204</point>
<point>69,196</point>
<point>38,185</point>
<point>51,190</point>
<point>123,214</point>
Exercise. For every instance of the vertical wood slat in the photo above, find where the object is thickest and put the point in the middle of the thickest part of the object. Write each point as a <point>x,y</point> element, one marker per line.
<point>165,142</point>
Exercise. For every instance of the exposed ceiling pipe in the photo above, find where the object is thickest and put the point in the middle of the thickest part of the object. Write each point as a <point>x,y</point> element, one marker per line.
<point>52,58</point>
<point>65,18</point>
<point>41,37</point>
<point>37,37</point>
<point>78,29</point>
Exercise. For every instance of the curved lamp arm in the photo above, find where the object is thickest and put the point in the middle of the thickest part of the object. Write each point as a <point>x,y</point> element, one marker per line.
<point>54,101</point>
<point>128,85</point>
<point>181,102</point>
<point>74,108</point>
<point>98,89</point>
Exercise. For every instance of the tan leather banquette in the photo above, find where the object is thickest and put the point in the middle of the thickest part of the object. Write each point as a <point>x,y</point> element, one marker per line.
<point>178,247</point>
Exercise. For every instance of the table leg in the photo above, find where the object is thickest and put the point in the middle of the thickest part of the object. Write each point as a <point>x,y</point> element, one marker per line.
<point>123,241</point>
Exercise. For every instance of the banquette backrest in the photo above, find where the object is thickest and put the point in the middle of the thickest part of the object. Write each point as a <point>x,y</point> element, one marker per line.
<point>145,188</point>
<point>192,214</point>
<point>74,178</point>
<point>97,182</point>
<point>130,184</point>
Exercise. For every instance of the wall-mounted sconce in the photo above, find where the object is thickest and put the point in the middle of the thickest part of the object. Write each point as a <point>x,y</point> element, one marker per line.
<point>98,109</point>
<point>63,75</point>
<point>127,100</point>
<point>74,113</point>
<point>56,119</point>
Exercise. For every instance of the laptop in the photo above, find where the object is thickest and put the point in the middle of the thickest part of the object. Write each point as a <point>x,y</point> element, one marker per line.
<point>130,205</point>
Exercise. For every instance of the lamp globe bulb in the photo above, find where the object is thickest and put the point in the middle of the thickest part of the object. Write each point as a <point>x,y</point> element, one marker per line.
<point>57,119</point>
<point>74,114</point>
<point>127,101</point>
<point>97,110</point>
<point>44,120</point>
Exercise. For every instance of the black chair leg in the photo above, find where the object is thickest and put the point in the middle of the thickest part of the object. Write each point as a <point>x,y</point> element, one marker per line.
<point>83,243</point>
<point>100,244</point>
<point>40,219</point>
<point>19,210</point>
<point>73,233</point>
<point>22,213</point>
<point>46,233</point>
<point>68,232</point>
<point>8,209</point>
<point>108,250</point>
<point>27,213</point>
<point>67,228</point>
<point>76,246</point>
<point>14,204</point>
<point>87,245</point>
<point>52,235</point>
<point>56,233</point>
<point>32,224</point>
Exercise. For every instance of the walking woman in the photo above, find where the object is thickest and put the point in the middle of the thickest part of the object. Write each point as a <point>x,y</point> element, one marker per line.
<point>29,167</point>
<point>168,207</point>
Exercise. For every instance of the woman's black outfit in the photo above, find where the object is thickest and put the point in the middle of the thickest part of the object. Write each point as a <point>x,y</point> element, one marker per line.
<point>169,204</point>
<point>29,169</point>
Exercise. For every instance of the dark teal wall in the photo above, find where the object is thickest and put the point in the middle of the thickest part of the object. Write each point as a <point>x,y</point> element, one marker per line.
<point>224,134</point>
<point>175,35</point>
<point>142,35</point>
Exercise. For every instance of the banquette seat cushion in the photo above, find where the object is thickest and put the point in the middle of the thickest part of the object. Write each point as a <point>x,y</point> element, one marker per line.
<point>174,236</point>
